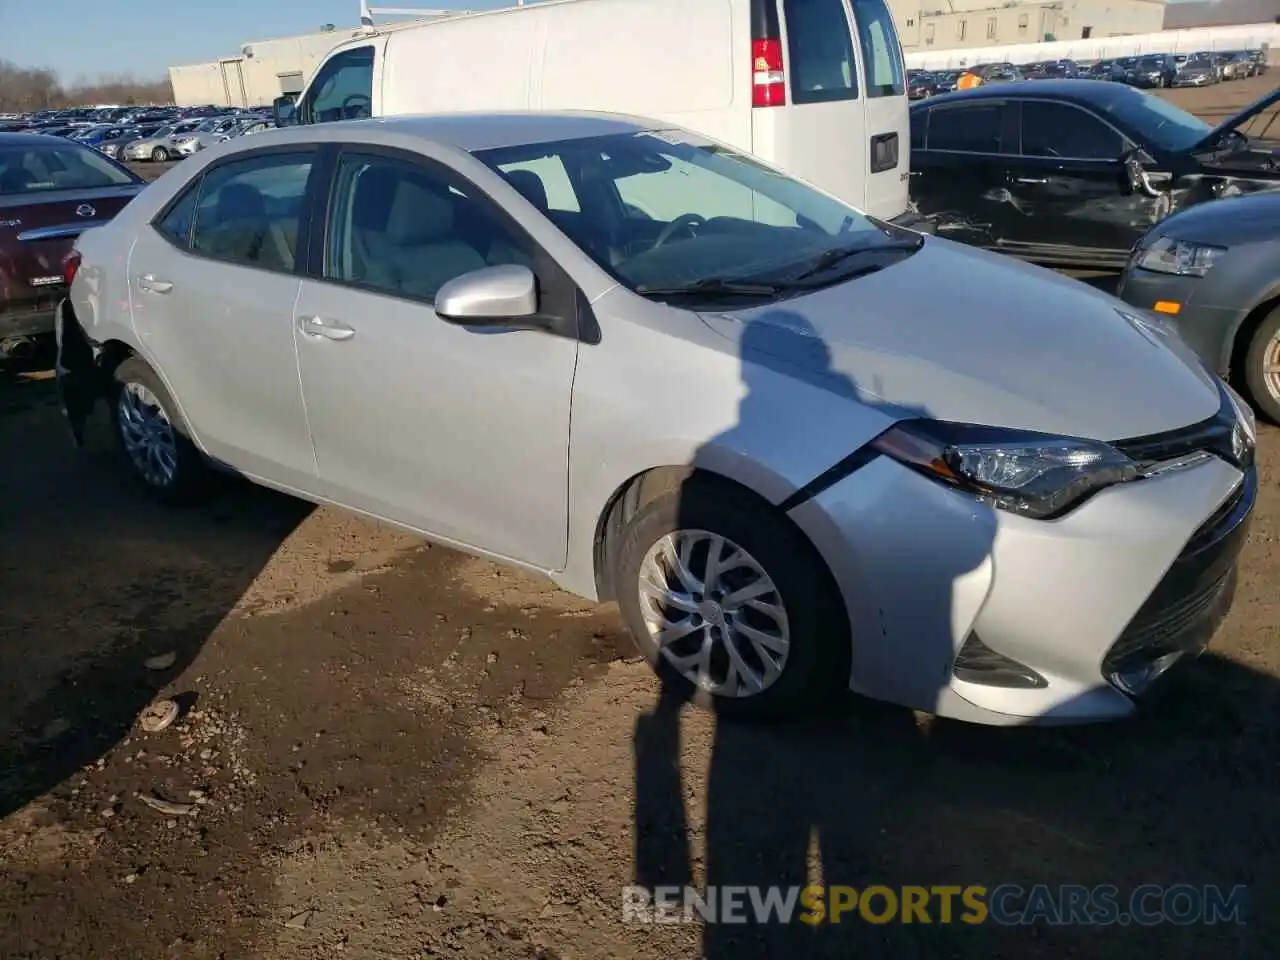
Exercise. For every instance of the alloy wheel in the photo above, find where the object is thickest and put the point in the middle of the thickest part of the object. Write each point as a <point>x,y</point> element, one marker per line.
<point>1271,367</point>
<point>714,613</point>
<point>148,435</point>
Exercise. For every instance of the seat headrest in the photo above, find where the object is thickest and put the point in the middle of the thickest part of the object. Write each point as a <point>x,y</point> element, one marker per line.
<point>240,201</point>
<point>419,215</point>
<point>530,186</point>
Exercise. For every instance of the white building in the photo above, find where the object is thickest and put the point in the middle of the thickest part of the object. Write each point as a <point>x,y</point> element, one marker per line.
<point>926,25</point>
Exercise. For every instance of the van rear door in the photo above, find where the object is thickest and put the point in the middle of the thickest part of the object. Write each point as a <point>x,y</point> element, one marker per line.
<point>821,116</point>
<point>888,115</point>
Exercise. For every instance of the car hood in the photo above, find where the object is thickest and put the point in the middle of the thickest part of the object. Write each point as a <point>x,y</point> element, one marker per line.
<point>1229,222</point>
<point>957,333</point>
<point>1239,119</point>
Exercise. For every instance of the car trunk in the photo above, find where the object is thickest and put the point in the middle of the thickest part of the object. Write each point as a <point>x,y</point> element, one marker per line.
<point>36,234</point>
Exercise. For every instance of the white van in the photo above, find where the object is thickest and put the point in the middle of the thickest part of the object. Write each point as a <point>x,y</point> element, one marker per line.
<point>816,87</point>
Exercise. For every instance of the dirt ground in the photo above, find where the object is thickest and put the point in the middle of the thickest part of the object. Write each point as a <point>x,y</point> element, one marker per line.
<point>389,750</point>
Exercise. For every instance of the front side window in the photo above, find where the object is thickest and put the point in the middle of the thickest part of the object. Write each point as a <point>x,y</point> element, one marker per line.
<point>27,168</point>
<point>1060,130</point>
<point>969,129</point>
<point>342,90</point>
<point>820,51</point>
<point>250,210</point>
<point>403,229</point>
<point>881,51</point>
<point>669,208</point>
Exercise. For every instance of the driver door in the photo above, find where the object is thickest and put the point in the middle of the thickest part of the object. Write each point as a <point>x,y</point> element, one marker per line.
<point>1070,189</point>
<point>343,88</point>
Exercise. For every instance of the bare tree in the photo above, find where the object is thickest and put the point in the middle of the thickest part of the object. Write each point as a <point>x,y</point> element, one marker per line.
<point>23,89</point>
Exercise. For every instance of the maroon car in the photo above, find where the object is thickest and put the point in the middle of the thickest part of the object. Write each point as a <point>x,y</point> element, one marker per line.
<point>51,190</point>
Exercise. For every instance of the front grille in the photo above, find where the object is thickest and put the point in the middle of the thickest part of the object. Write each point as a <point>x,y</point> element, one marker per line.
<point>1212,435</point>
<point>1191,599</point>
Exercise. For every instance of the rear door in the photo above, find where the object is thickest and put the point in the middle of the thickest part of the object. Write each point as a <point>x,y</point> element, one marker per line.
<point>960,176</point>
<point>887,118</point>
<point>212,286</point>
<point>819,131</point>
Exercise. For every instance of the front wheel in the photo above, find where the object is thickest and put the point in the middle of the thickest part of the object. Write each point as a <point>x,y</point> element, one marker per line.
<point>160,155</point>
<point>153,438</point>
<point>731,604</point>
<point>1262,366</point>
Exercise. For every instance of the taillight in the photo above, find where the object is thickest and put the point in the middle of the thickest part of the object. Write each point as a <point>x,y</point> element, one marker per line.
<point>768,81</point>
<point>70,266</point>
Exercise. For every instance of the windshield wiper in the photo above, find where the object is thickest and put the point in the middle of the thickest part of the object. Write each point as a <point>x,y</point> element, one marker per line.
<point>830,258</point>
<point>715,287</point>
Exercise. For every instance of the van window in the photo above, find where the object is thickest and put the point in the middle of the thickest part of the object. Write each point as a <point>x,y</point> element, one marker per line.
<point>820,51</point>
<point>881,51</point>
<point>342,90</point>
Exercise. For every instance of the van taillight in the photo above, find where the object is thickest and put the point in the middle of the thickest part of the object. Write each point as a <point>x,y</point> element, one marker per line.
<point>768,82</point>
<point>70,266</point>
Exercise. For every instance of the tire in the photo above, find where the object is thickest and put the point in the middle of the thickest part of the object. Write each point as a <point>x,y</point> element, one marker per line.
<point>160,155</point>
<point>816,662</point>
<point>1266,341</point>
<point>136,386</point>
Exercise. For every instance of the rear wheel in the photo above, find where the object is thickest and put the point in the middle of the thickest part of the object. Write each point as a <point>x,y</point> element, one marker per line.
<point>731,604</point>
<point>160,155</point>
<point>153,438</point>
<point>1262,366</point>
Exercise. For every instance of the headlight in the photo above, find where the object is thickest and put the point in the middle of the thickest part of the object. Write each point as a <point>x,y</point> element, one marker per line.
<point>1179,257</point>
<point>1032,474</point>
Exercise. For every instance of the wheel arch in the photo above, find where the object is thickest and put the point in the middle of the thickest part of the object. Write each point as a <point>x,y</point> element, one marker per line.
<point>1244,332</point>
<point>644,487</point>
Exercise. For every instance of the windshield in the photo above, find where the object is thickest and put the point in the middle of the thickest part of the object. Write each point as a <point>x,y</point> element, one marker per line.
<point>664,209</point>
<point>1161,123</point>
<point>37,168</point>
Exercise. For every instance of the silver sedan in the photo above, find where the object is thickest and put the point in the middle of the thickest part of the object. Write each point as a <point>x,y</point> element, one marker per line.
<point>802,448</point>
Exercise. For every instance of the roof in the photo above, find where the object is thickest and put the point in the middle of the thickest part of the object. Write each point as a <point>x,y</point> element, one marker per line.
<point>17,139</point>
<point>1096,92</point>
<point>472,131</point>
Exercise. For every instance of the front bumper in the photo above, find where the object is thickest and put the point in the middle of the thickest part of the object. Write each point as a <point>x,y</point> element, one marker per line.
<point>924,569</point>
<point>1208,330</point>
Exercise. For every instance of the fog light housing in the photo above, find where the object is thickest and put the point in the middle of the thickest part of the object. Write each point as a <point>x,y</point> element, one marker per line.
<point>978,663</point>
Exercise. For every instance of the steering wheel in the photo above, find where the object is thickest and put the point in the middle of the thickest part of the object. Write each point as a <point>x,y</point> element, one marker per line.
<point>357,99</point>
<point>686,221</point>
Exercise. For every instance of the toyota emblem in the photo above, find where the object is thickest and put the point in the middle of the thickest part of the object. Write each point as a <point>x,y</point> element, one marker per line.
<point>86,210</point>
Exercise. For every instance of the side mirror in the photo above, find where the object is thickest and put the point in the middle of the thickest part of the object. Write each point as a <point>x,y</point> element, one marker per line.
<point>498,296</point>
<point>285,110</point>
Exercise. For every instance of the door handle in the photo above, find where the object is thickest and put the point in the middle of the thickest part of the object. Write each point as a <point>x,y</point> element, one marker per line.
<point>321,329</point>
<point>151,284</point>
<point>1030,179</point>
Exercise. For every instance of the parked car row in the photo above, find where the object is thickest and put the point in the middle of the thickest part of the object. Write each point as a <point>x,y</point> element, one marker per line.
<point>151,134</point>
<point>1154,70</point>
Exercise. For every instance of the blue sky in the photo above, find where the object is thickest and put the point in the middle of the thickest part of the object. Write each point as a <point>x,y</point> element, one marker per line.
<point>144,37</point>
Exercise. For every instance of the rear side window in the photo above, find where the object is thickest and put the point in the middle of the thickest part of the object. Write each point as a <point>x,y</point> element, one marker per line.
<point>175,226</point>
<point>881,52</point>
<point>969,129</point>
<point>250,210</point>
<point>820,51</point>
<point>1060,130</point>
